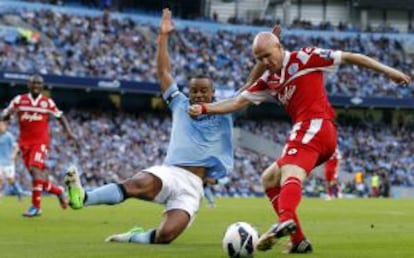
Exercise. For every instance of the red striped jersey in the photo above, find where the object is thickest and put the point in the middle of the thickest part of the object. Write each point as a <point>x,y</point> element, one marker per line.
<point>299,86</point>
<point>33,115</point>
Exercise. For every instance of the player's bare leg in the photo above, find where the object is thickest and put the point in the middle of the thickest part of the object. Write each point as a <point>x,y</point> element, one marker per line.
<point>146,186</point>
<point>16,189</point>
<point>173,223</point>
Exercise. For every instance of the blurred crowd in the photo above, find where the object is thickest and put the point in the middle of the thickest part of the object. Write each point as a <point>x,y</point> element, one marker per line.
<point>112,48</point>
<point>114,146</point>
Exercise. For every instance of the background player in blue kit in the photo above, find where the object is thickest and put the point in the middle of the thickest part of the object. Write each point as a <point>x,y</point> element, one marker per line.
<point>198,148</point>
<point>8,154</point>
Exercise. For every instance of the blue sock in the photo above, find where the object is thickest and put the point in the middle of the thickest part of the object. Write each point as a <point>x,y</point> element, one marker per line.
<point>16,189</point>
<point>146,237</point>
<point>107,194</point>
<point>209,195</point>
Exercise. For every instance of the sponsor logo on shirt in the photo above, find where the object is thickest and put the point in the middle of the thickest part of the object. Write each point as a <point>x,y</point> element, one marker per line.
<point>43,104</point>
<point>293,68</point>
<point>286,94</point>
<point>31,117</point>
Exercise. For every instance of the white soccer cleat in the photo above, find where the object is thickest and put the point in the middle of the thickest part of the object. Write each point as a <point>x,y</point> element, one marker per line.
<point>121,238</point>
<point>124,237</point>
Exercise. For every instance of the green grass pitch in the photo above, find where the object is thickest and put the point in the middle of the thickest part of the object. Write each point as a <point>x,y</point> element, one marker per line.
<point>338,229</point>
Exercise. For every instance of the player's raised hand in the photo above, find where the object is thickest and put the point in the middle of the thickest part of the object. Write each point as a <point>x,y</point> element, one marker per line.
<point>195,110</point>
<point>277,31</point>
<point>399,77</point>
<point>74,139</point>
<point>167,25</point>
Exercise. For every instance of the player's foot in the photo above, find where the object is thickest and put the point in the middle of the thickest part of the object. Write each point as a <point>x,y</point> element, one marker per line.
<point>276,231</point>
<point>211,205</point>
<point>76,193</point>
<point>63,200</point>
<point>302,247</point>
<point>32,212</point>
<point>20,196</point>
<point>124,237</point>
<point>328,198</point>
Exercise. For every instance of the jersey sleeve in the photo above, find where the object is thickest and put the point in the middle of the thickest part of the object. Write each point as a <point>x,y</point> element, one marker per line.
<point>322,59</point>
<point>53,109</point>
<point>258,92</point>
<point>12,105</point>
<point>173,96</point>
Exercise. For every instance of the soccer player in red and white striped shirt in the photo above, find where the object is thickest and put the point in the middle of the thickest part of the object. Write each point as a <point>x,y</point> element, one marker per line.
<point>331,169</point>
<point>295,80</point>
<point>33,110</point>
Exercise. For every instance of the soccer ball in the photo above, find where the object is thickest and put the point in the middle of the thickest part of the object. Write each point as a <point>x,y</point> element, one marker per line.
<point>239,240</point>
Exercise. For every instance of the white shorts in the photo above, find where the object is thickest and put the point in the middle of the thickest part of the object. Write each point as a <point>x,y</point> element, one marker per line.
<point>181,189</point>
<point>7,171</point>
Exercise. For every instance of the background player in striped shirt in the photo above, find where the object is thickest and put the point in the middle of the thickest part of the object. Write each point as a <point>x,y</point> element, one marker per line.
<point>295,80</point>
<point>33,110</point>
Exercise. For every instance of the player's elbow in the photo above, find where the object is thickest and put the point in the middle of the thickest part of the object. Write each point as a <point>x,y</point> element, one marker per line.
<point>240,102</point>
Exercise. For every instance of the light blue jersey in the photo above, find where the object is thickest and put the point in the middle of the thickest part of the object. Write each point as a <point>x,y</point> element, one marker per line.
<point>205,141</point>
<point>7,143</point>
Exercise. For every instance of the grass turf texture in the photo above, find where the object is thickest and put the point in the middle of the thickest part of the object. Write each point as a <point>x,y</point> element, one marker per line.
<point>338,229</point>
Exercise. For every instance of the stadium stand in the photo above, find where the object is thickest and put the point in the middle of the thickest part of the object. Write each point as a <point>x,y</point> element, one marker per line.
<point>81,43</point>
<point>69,46</point>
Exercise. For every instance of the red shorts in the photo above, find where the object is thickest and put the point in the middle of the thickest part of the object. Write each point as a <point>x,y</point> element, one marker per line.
<point>34,155</point>
<point>310,143</point>
<point>331,167</point>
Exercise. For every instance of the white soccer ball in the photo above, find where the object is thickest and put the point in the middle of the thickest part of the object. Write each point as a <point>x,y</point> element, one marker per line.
<point>240,240</point>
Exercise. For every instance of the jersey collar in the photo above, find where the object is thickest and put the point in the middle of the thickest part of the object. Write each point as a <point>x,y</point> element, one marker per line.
<point>34,101</point>
<point>286,58</point>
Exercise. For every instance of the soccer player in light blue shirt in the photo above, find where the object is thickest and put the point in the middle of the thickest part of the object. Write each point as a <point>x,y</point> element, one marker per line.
<point>199,148</point>
<point>8,154</point>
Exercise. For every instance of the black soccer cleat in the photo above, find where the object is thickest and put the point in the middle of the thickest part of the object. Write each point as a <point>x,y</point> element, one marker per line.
<point>285,228</point>
<point>302,247</point>
<point>276,231</point>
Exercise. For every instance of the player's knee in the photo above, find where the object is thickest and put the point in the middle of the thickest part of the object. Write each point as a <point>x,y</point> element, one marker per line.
<point>271,176</point>
<point>144,186</point>
<point>292,171</point>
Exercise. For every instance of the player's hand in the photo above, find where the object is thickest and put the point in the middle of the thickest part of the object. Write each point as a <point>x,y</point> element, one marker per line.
<point>399,77</point>
<point>195,110</point>
<point>167,25</point>
<point>74,139</point>
<point>277,31</point>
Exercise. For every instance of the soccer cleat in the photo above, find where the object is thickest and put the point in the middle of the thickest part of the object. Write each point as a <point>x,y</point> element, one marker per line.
<point>76,193</point>
<point>32,212</point>
<point>124,237</point>
<point>276,231</point>
<point>63,200</point>
<point>302,247</point>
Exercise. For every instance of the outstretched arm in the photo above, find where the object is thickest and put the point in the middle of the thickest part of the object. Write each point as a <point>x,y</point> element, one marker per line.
<point>221,107</point>
<point>64,122</point>
<point>5,115</point>
<point>370,63</point>
<point>163,58</point>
